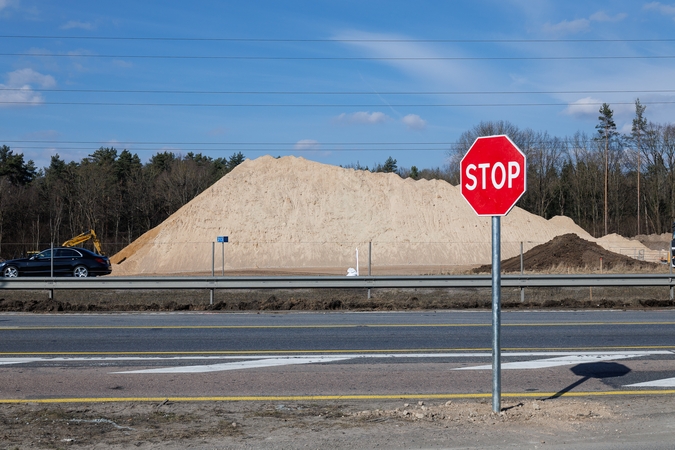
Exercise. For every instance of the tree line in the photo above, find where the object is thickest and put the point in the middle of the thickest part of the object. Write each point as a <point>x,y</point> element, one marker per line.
<point>111,192</point>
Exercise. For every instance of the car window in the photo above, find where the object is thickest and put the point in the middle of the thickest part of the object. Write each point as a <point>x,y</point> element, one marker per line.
<point>45,254</point>
<point>67,253</point>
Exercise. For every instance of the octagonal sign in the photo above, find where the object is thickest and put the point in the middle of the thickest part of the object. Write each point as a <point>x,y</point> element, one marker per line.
<point>492,175</point>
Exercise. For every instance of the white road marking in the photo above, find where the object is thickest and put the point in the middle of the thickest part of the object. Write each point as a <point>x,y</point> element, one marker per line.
<point>555,362</point>
<point>4,361</point>
<point>666,382</point>
<point>254,364</point>
<point>252,361</point>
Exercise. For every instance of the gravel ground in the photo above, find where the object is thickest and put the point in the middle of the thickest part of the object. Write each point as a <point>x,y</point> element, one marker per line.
<point>611,422</point>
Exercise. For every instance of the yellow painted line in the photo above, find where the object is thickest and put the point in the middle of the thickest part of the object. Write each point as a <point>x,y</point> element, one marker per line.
<point>349,351</point>
<point>249,352</point>
<point>392,325</point>
<point>307,398</point>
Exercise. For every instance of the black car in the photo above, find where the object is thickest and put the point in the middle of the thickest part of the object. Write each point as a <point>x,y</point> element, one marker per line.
<point>71,261</point>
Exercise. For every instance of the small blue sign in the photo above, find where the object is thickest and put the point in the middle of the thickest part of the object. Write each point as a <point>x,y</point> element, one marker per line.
<point>222,239</point>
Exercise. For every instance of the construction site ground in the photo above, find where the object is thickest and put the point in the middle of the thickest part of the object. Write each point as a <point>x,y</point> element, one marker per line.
<point>580,423</point>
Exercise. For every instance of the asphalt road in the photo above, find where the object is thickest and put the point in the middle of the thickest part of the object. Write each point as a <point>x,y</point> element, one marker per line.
<point>333,355</point>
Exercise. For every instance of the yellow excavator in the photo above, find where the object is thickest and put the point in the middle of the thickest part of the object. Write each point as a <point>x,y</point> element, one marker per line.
<point>84,237</point>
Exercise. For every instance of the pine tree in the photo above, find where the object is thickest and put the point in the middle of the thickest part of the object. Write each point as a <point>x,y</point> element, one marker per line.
<point>639,128</point>
<point>606,130</point>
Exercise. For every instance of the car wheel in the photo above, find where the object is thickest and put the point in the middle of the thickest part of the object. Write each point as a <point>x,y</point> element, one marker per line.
<point>81,272</point>
<point>10,272</point>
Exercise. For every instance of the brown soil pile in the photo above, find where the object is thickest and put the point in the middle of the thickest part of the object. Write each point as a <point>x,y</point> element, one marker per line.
<point>569,251</point>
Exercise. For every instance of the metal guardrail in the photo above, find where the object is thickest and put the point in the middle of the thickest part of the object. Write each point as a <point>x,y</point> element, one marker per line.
<point>332,282</point>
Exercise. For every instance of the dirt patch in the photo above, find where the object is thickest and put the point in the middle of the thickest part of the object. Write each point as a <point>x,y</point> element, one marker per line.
<point>366,424</point>
<point>79,301</point>
<point>571,252</point>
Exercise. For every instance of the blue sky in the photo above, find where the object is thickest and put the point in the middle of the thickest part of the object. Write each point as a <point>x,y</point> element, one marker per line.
<point>335,81</point>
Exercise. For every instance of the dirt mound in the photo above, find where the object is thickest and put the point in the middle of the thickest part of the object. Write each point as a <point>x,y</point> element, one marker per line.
<point>568,251</point>
<point>292,213</point>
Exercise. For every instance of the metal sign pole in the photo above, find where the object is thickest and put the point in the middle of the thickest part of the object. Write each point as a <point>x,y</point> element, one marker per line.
<point>522,267</point>
<point>496,315</point>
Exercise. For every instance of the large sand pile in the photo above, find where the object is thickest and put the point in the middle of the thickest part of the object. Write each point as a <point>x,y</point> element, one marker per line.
<point>291,213</point>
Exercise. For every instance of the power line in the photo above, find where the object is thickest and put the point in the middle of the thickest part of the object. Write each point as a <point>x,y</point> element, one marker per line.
<point>166,91</point>
<point>348,58</point>
<point>325,105</point>
<point>280,146</point>
<point>248,150</point>
<point>232,143</point>
<point>330,40</point>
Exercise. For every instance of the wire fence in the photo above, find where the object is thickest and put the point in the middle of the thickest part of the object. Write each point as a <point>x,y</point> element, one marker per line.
<point>330,258</point>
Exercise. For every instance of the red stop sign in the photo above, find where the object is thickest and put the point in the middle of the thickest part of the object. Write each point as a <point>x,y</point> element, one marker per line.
<point>492,176</point>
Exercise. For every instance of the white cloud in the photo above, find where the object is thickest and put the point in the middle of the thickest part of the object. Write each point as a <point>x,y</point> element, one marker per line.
<point>77,24</point>
<point>414,122</point>
<point>363,117</point>
<point>660,7</point>
<point>24,95</point>
<point>4,4</point>
<point>585,107</point>
<point>568,26</point>
<point>20,91</point>
<point>602,16</point>
<point>581,25</point>
<point>425,61</point>
<point>23,77</point>
<point>122,63</point>
<point>307,144</point>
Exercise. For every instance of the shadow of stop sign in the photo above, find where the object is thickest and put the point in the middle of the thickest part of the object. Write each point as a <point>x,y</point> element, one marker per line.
<point>492,175</point>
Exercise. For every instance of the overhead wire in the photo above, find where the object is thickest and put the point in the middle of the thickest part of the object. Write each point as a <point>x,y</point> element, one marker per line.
<point>347,58</point>
<point>327,105</point>
<point>178,91</point>
<point>323,40</point>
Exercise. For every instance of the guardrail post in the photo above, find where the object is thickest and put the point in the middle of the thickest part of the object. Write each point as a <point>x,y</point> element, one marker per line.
<point>51,271</point>
<point>670,271</point>
<point>370,259</point>
<point>522,289</point>
<point>213,269</point>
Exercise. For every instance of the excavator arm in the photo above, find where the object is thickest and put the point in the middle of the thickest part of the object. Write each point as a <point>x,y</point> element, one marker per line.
<point>84,237</point>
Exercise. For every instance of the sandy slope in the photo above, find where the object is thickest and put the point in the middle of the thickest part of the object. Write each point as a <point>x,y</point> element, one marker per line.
<point>293,213</point>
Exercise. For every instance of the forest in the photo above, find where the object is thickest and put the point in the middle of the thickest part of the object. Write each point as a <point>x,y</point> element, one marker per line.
<point>110,192</point>
<point>607,182</point>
